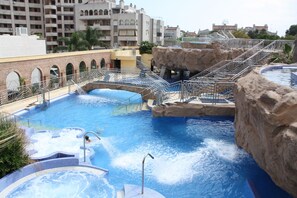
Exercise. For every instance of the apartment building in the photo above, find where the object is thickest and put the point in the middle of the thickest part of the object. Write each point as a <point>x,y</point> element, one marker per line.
<point>171,34</point>
<point>121,24</point>
<point>224,27</point>
<point>21,13</point>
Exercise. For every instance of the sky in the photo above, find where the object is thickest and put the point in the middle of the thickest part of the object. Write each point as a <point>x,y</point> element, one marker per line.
<point>192,15</point>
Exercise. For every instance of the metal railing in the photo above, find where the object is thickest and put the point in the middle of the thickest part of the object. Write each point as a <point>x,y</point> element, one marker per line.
<point>208,91</point>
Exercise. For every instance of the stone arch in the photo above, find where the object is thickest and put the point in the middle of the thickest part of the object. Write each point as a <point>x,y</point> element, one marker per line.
<point>55,71</point>
<point>82,67</point>
<point>105,12</point>
<point>13,81</point>
<point>36,77</point>
<point>100,12</point>
<point>69,71</point>
<point>93,64</point>
<point>86,12</point>
<point>121,22</point>
<point>132,22</point>
<point>91,12</point>
<point>96,12</point>
<point>54,76</point>
<point>81,13</point>
<point>102,63</point>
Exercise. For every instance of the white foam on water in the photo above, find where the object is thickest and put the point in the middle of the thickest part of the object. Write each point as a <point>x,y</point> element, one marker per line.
<point>65,184</point>
<point>224,150</point>
<point>108,146</point>
<point>66,142</point>
<point>90,99</point>
<point>172,167</point>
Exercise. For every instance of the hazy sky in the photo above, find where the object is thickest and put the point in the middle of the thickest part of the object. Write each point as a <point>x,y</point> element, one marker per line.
<point>192,15</point>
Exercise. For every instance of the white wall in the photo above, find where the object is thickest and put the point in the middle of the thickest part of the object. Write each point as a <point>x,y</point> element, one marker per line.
<point>13,46</point>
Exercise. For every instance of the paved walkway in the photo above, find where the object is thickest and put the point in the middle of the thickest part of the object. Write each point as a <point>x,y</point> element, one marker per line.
<point>22,104</point>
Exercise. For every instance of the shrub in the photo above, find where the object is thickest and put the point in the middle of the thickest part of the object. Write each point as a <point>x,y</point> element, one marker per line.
<point>12,147</point>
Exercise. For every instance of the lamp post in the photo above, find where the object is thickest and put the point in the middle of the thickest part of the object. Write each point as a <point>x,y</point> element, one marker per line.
<point>142,188</point>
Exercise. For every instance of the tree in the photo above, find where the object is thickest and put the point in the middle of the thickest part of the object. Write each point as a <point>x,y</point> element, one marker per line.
<point>262,34</point>
<point>74,43</point>
<point>81,40</point>
<point>240,34</point>
<point>146,47</point>
<point>12,147</point>
<point>92,36</point>
<point>292,31</point>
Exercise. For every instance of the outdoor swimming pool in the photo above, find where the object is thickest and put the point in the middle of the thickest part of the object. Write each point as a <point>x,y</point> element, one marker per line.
<point>281,74</point>
<point>194,157</point>
<point>65,184</point>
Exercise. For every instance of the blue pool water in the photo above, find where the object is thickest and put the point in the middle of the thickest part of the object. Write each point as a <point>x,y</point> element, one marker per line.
<point>65,184</point>
<point>194,157</point>
<point>281,75</point>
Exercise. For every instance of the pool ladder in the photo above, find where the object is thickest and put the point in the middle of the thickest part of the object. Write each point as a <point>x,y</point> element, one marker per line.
<point>84,140</point>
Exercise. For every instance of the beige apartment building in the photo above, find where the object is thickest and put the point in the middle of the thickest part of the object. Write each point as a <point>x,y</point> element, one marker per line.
<point>122,25</point>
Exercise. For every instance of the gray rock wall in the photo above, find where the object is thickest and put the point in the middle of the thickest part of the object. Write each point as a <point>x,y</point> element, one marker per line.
<point>266,127</point>
<point>193,60</point>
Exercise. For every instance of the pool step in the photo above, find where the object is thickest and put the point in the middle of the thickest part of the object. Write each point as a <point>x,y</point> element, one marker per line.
<point>120,194</point>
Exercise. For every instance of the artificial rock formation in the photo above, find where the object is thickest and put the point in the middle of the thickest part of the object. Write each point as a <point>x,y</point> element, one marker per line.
<point>266,127</point>
<point>192,110</point>
<point>193,60</point>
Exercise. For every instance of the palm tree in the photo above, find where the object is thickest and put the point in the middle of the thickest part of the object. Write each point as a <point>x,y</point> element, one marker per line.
<point>81,40</point>
<point>74,43</point>
<point>92,36</point>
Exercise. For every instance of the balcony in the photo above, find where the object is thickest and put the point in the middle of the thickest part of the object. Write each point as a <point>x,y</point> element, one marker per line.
<point>51,43</point>
<point>50,16</point>
<point>5,3</point>
<point>36,22</point>
<point>127,38</point>
<point>51,34</point>
<point>68,13</point>
<point>19,4</point>
<point>21,13</point>
<point>50,7</point>
<point>6,30</point>
<point>35,13</point>
<point>20,21</point>
<point>34,5</point>
<point>128,27</point>
<point>69,30</point>
<point>101,27</point>
<point>7,12</point>
<point>94,17</point>
<point>105,38</point>
<point>48,25</point>
<point>69,22</point>
<point>6,21</point>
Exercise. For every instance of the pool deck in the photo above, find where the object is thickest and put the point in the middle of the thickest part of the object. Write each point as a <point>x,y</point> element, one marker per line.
<point>31,101</point>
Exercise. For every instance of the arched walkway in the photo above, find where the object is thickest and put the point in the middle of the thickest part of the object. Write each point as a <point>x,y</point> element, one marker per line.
<point>13,81</point>
<point>93,64</point>
<point>102,63</point>
<point>69,71</point>
<point>82,68</point>
<point>36,76</point>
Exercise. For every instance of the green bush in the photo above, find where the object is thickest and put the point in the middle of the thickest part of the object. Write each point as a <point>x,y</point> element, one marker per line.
<point>12,147</point>
<point>146,47</point>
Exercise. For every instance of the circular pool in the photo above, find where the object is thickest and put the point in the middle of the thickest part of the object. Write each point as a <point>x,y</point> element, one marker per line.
<point>62,182</point>
<point>281,74</point>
